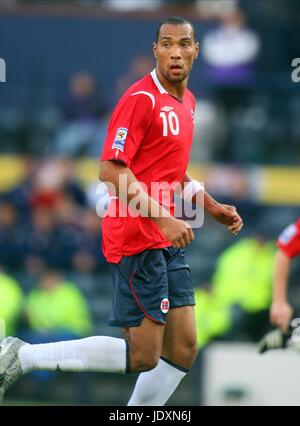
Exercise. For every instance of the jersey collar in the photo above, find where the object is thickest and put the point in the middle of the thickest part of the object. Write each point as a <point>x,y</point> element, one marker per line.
<point>157,82</point>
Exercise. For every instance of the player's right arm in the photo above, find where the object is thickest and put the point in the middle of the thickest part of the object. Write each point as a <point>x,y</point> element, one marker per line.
<point>176,231</point>
<point>281,311</point>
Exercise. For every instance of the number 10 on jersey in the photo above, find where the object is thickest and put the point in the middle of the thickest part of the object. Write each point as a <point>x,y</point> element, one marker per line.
<point>170,121</point>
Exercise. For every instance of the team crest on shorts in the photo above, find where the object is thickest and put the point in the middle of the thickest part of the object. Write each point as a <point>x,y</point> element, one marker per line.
<point>120,139</point>
<point>164,306</point>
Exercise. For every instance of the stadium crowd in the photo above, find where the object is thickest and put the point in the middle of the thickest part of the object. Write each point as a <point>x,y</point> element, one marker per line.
<point>52,269</point>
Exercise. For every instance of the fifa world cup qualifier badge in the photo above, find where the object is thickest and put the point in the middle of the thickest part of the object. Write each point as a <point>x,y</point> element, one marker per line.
<point>120,139</point>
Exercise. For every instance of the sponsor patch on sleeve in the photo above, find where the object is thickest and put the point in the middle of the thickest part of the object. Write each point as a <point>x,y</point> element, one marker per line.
<point>288,234</point>
<point>120,139</point>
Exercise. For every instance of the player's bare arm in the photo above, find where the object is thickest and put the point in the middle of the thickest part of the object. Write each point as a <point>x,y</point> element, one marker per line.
<point>177,231</point>
<point>281,312</point>
<point>222,213</point>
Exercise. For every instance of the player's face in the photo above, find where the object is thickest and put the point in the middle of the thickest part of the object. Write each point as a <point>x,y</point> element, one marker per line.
<point>175,51</point>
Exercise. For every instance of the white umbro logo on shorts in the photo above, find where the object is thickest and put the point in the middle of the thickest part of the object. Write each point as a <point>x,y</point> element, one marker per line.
<point>166,108</point>
<point>164,306</point>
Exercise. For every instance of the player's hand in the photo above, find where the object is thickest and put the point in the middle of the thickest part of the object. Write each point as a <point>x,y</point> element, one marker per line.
<point>281,314</point>
<point>177,231</point>
<point>227,215</point>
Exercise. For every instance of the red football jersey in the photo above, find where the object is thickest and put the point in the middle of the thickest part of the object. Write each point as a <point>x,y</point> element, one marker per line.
<point>151,132</point>
<point>289,240</point>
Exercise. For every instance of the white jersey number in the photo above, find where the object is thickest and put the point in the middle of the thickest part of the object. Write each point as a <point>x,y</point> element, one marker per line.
<point>171,119</point>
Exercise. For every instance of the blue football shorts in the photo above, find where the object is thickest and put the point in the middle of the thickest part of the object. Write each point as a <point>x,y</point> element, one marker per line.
<point>148,284</point>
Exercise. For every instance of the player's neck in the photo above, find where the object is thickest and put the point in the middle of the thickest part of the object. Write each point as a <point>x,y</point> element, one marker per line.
<point>174,89</point>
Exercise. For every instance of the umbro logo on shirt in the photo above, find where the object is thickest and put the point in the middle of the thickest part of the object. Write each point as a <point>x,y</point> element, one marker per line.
<point>166,108</point>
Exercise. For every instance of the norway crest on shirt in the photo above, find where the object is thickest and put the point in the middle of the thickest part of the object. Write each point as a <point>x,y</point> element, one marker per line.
<point>120,139</point>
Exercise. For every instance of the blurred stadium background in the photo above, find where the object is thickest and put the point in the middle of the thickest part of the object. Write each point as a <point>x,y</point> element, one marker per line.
<point>67,63</point>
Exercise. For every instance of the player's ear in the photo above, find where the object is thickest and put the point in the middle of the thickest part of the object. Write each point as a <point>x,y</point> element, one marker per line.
<point>154,50</point>
<point>197,47</point>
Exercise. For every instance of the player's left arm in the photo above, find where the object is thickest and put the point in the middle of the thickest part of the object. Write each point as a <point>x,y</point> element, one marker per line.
<point>222,213</point>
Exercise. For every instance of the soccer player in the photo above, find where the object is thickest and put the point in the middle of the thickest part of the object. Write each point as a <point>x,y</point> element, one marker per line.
<point>281,311</point>
<point>149,140</point>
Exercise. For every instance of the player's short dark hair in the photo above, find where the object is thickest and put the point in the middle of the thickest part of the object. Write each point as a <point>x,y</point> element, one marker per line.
<point>175,20</point>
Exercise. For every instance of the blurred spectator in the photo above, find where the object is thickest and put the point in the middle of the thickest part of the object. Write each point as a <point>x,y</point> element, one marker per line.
<point>11,303</point>
<point>83,101</point>
<point>41,240</point>
<point>213,319</point>
<point>52,237</point>
<point>56,177</point>
<point>128,5</point>
<point>216,8</point>
<point>230,51</point>
<point>243,278</point>
<point>57,227</point>
<point>56,308</point>
<point>11,248</point>
<point>139,67</point>
<point>20,195</point>
<point>209,130</point>
<point>84,112</point>
<point>89,257</point>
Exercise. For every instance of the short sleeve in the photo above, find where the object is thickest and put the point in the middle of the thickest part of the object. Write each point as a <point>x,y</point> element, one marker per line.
<point>127,128</point>
<point>289,240</point>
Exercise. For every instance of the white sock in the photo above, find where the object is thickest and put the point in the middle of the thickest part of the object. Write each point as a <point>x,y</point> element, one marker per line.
<point>155,387</point>
<point>97,353</point>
